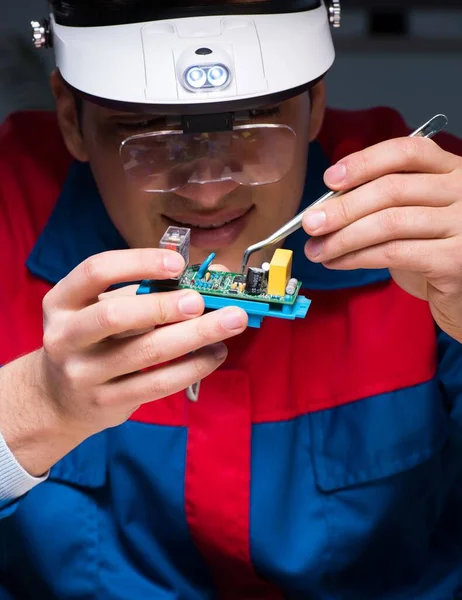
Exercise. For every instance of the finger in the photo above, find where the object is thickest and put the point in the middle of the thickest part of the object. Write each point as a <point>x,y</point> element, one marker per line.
<point>95,275</point>
<point>419,256</point>
<point>163,345</point>
<point>116,315</point>
<point>392,156</point>
<point>126,290</point>
<point>386,225</point>
<point>131,290</point>
<point>168,379</point>
<point>389,191</point>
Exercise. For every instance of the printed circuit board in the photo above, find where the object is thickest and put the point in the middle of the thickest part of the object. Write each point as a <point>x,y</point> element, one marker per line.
<point>266,291</point>
<point>228,285</point>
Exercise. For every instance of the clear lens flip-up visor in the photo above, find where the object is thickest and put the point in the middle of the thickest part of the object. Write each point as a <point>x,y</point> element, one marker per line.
<point>166,161</point>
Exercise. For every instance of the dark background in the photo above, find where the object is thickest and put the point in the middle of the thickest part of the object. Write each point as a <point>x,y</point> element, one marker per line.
<point>402,54</point>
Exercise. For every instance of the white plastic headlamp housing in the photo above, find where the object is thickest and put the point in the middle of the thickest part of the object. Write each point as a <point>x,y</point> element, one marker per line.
<point>142,65</point>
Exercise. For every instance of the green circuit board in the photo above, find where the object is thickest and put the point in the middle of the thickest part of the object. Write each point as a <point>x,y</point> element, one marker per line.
<point>228,285</point>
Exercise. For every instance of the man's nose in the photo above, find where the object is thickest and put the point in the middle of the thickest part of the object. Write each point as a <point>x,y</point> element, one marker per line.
<point>207,195</point>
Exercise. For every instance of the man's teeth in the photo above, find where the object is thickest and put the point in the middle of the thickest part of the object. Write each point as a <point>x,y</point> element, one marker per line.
<point>190,225</point>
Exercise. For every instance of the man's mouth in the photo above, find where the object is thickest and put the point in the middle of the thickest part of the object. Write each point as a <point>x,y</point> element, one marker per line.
<point>192,225</point>
<point>213,230</point>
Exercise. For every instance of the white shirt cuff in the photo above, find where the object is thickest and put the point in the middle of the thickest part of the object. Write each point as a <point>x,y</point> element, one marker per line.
<point>14,480</point>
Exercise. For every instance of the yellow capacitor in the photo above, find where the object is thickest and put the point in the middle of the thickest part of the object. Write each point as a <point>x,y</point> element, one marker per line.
<point>280,272</point>
<point>207,276</point>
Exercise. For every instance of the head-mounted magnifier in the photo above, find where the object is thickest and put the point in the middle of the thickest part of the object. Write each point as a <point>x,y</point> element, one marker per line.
<point>204,68</point>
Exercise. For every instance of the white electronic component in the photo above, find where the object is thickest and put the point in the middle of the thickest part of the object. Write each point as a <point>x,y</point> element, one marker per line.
<point>177,239</point>
<point>291,287</point>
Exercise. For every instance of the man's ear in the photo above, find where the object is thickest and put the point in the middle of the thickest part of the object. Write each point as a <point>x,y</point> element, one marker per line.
<point>318,109</point>
<point>68,118</point>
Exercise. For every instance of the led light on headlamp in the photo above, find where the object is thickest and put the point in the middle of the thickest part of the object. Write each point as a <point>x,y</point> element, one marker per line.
<point>218,76</point>
<point>207,77</point>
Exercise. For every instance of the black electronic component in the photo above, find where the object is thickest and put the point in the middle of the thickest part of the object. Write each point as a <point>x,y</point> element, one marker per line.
<point>239,279</point>
<point>167,284</point>
<point>254,282</point>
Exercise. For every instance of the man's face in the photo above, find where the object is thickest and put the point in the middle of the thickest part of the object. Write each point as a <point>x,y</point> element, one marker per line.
<point>224,217</point>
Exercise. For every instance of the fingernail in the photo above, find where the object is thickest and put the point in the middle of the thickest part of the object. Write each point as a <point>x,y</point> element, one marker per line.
<point>233,319</point>
<point>314,248</point>
<point>220,351</point>
<point>191,304</point>
<point>173,262</point>
<point>335,174</point>
<point>314,220</point>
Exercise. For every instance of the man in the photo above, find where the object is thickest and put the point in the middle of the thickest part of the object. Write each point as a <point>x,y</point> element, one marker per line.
<point>323,458</point>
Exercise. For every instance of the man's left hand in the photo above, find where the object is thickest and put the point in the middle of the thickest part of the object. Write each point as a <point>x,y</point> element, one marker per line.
<point>404,214</point>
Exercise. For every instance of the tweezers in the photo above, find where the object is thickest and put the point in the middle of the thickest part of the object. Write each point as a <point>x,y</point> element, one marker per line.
<point>428,130</point>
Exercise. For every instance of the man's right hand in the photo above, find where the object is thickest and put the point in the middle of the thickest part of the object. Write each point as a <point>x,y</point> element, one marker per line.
<point>99,347</point>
